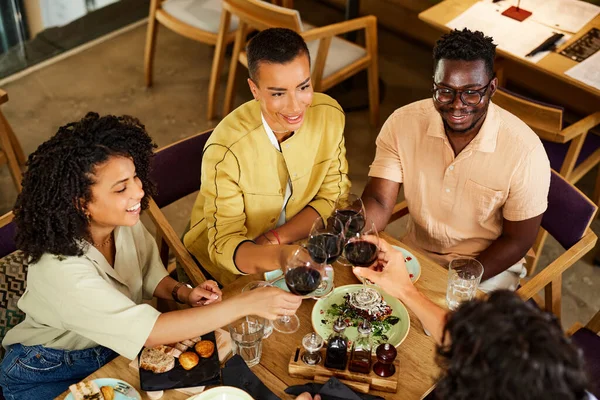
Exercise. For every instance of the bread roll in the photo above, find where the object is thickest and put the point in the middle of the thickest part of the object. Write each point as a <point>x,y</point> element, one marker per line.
<point>108,392</point>
<point>188,360</point>
<point>156,361</point>
<point>205,348</point>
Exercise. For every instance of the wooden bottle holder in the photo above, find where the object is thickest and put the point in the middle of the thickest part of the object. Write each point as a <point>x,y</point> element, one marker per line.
<point>359,382</point>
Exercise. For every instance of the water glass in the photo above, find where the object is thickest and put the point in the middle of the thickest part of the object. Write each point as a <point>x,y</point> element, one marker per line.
<point>464,275</point>
<point>255,285</point>
<point>246,338</point>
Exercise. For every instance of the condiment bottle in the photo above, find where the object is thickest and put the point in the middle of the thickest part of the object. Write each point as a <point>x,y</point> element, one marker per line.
<point>336,355</point>
<point>386,354</point>
<point>360,357</point>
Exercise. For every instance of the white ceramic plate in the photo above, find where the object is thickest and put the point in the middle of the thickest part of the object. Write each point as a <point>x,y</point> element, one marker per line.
<point>112,382</point>
<point>222,393</point>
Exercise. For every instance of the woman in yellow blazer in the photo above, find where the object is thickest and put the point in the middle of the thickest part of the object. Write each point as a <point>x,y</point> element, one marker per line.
<point>271,167</point>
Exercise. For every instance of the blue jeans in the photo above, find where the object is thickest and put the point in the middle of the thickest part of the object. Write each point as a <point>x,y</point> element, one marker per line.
<point>40,373</point>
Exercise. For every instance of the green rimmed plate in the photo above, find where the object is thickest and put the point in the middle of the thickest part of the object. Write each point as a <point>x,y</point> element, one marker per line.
<point>322,322</point>
<point>412,264</point>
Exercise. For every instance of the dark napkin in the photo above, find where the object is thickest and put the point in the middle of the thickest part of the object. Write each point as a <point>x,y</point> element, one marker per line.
<point>236,373</point>
<point>333,389</point>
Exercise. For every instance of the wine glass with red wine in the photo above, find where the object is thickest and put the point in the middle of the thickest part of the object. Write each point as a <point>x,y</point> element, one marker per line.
<point>363,253</point>
<point>327,234</point>
<point>303,272</point>
<point>350,210</point>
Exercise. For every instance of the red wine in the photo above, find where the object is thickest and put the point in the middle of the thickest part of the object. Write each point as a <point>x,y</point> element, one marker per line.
<point>357,220</point>
<point>330,243</point>
<point>302,280</point>
<point>361,253</point>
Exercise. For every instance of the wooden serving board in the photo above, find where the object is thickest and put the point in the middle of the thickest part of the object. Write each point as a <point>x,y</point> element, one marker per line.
<point>356,381</point>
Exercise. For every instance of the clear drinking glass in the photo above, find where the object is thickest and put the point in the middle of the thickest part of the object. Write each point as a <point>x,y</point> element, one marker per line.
<point>255,285</point>
<point>464,275</point>
<point>246,338</point>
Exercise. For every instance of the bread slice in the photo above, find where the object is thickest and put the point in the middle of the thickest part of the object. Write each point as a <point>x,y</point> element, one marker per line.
<point>188,343</point>
<point>86,390</point>
<point>179,346</point>
<point>156,361</point>
<point>171,351</point>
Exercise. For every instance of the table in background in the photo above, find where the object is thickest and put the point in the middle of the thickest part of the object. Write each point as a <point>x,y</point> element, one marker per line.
<point>416,354</point>
<point>565,90</point>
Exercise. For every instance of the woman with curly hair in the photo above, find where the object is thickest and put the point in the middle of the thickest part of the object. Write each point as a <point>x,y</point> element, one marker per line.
<point>92,263</point>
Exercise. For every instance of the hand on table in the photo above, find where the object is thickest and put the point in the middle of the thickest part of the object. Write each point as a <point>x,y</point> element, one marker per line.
<point>389,272</point>
<point>206,293</point>
<point>271,302</point>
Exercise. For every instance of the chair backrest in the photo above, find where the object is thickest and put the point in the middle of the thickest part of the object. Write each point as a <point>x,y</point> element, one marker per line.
<point>262,15</point>
<point>7,234</point>
<point>545,119</point>
<point>569,212</point>
<point>176,168</point>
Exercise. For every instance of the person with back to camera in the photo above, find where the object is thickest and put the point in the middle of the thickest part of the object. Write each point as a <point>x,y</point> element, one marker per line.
<point>92,263</point>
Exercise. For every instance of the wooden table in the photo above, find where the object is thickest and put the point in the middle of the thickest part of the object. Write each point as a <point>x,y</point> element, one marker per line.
<point>566,90</point>
<point>418,370</point>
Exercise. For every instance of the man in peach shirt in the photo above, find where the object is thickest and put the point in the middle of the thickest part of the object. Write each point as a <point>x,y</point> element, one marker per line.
<point>475,177</point>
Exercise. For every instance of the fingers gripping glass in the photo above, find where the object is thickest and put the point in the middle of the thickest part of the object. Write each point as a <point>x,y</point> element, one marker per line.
<point>469,97</point>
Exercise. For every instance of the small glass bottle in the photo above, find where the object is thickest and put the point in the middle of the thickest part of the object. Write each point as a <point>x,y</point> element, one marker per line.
<point>336,356</point>
<point>360,357</point>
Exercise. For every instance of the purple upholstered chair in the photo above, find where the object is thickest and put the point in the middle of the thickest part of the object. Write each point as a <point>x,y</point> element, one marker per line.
<point>587,339</point>
<point>571,149</point>
<point>176,172</point>
<point>7,234</point>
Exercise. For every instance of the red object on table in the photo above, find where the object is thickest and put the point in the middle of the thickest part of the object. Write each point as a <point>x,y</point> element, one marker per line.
<point>517,13</point>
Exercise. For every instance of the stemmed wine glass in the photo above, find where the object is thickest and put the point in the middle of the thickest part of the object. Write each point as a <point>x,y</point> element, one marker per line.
<point>303,273</point>
<point>350,210</point>
<point>327,234</point>
<point>363,253</point>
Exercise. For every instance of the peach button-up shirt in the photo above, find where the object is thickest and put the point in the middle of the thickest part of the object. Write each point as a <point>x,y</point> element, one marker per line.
<point>457,203</point>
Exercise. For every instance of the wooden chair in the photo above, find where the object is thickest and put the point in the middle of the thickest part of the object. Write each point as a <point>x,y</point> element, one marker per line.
<point>198,20</point>
<point>11,152</point>
<point>571,150</point>
<point>7,234</point>
<point>333,59</point>
<point>568,220</point>
<point>176,172</point>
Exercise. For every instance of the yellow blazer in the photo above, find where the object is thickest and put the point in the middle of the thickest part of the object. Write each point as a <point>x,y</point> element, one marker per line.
<point>244,179</point>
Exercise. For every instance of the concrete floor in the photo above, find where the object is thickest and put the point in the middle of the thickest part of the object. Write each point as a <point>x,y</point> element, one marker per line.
<point>108,78</point>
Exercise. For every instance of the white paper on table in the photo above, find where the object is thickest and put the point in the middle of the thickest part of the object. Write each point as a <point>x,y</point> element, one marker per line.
<point>514,37</point>
<point>587,71</point>
<point>565,15</point>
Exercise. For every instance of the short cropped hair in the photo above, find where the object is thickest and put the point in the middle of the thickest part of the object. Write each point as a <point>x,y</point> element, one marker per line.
<point>505,348</point>
<point>466,45</point>
<point>274,46</point>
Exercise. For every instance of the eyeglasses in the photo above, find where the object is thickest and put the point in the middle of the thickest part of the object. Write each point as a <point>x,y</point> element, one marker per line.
<point>470,97</point>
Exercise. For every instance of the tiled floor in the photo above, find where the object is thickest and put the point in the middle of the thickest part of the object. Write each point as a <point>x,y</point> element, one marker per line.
<point>108,78</point>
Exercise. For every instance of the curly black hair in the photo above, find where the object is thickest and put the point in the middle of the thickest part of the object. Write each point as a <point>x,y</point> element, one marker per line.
<point>466,45</point>
<point>503,348</point>
<point>274,46</point>
<point>50,212</point>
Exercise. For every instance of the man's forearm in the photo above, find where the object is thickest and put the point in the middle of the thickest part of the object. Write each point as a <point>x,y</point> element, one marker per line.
<point>503,253</point>
<point>377,212</point>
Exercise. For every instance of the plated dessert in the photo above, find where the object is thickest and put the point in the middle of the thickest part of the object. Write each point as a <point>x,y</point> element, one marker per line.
<point>161,359</point>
